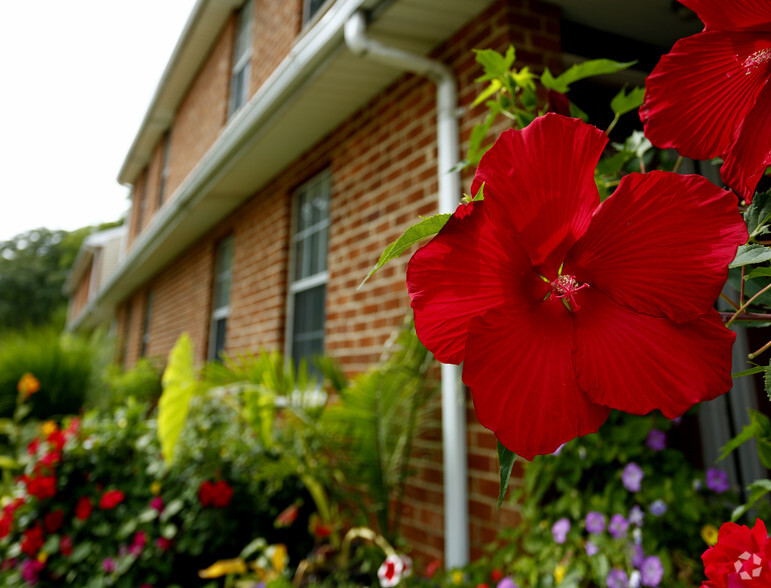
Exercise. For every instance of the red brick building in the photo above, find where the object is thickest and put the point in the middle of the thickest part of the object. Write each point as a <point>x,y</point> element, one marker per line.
<point>275,164</point>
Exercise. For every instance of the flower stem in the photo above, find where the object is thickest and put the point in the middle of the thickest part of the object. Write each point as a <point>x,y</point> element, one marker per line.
<point>746,304</point>
<point>752,316</point>
<point>677,164</point>
<point>729,301</point>
<point>759,351</point>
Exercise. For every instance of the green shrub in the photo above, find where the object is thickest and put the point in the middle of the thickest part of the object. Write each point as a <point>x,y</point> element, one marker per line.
<point>141,382</point>
<point>63,364</point>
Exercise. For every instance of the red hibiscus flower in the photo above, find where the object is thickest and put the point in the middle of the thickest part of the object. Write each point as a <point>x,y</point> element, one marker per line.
<point>710,96</point>
<point>110,499</point>
<point>561,307</point>
<point>32,540</point>
<point>741,557</point>
<point>83,508</point>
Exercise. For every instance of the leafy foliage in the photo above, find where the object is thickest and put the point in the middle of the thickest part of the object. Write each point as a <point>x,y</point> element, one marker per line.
<point>179,385</point>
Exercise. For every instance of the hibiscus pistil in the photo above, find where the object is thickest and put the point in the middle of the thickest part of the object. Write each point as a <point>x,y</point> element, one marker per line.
<point>565,288</point>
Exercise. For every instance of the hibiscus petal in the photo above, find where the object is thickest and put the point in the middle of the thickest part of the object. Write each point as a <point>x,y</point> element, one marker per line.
<point>661,244</point>
<point>540,181</point>
<point>520,371</point>
<point>639,363</point>
<point>700,92</point>
<point>469,267</point>
<point>751,155</point>
<point>726,16</point>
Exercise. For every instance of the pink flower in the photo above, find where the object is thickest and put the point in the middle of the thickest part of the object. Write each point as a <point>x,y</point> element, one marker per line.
<point>157,503</point>
<point>710,95</point>
<point>551,299</point>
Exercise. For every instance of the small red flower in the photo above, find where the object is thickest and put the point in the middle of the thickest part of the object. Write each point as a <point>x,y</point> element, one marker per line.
<point>110,499</point>
<point>32,540</point>
<point>57,440</point>
<point>6,522</point>
<point>741,557</point>
<point>287,516</point>
<point>163,543</point>
<point>33,446</point>
<point>156,503</point>
<point>560,307</point>
<point>710,95</point>
<point>65,545</point>
<point>83,508</point>
<point>50,459</point>
<point>432,567</point>
<point>41,487</point>
<point>53,520</point>
<point>496,575</point>
<point>216,494</point>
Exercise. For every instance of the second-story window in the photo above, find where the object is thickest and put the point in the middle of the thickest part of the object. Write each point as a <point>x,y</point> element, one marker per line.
<point>308,283</point>
<point>164,168</point>
<point>220,306</point>
<point>310,8</point>
<point>242,53</point>
<point>145,342</point>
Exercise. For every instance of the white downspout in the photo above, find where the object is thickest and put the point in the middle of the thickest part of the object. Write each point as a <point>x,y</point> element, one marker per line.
<point>456,518</point>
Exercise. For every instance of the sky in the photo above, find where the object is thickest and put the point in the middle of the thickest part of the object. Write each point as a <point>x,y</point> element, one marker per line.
<point>76,78</point>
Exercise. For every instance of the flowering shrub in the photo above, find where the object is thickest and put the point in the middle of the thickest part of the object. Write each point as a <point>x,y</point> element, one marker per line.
<point>97,506</point>
<point>616,506</point>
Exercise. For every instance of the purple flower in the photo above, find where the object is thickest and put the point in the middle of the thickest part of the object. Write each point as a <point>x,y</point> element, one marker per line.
<point>638,555</point>
<point>651,571</point>
<point>618,526</point>
<point>591,549</point>
<point>658,507</point>
<point>632,476</point>
<point>657,440</point>
<point>636,515</point>
<point>617,579</point>
<point>560,530</point>
<point>717,480</point>
<point>595,522</point>
<point>108,565</point>
<point>507,583</point>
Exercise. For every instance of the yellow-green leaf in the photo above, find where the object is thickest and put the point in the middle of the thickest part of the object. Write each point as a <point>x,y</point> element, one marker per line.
<point>179,385</point>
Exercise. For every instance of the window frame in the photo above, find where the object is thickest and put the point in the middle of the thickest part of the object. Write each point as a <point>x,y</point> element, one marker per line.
<point>240,68</point>
<point>295,285</point>
<point>165,169</point>
<point>309,13</point>
<point>144,342</point>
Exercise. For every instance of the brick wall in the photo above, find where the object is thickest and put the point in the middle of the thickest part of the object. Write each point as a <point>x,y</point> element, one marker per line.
<point>383,165</point>
<point>79,299</point>
<point>276,26</point>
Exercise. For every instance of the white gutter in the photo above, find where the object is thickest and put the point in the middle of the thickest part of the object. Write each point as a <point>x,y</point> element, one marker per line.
<point>456,518</point>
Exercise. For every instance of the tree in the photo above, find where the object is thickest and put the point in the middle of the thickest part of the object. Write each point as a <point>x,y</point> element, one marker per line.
<point>33,269</point>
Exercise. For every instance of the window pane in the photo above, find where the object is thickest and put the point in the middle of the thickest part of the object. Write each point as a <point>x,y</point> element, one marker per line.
<point>219,326</point>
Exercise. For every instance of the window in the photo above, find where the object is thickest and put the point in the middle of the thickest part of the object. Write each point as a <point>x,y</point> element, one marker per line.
<point>164,168</point>
<point>145,343</point>
<point>140,203</point>
<point>242,52</point>
<point>310,8</point>
<point>220,307</point>
<point>309,275</point>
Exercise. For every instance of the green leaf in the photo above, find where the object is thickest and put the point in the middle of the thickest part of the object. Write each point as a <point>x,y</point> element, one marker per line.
<point>758,215</point>
<point>749,254</point>
<point>758,272</point>
<point>8,463</point>
<point>491,90</point>
<point>748,432</point>
<point>623,102</point>
<point>750,371</point>
<point>579,71</point>
<point>635,144</point>
<point>758,489</point>
<point>417,232</point>
<point>506,459</point>
<point>495,64</point>
<point>179,385</point>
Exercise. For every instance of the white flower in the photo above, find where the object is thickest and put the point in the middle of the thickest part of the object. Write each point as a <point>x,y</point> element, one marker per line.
<point>390,572</point>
